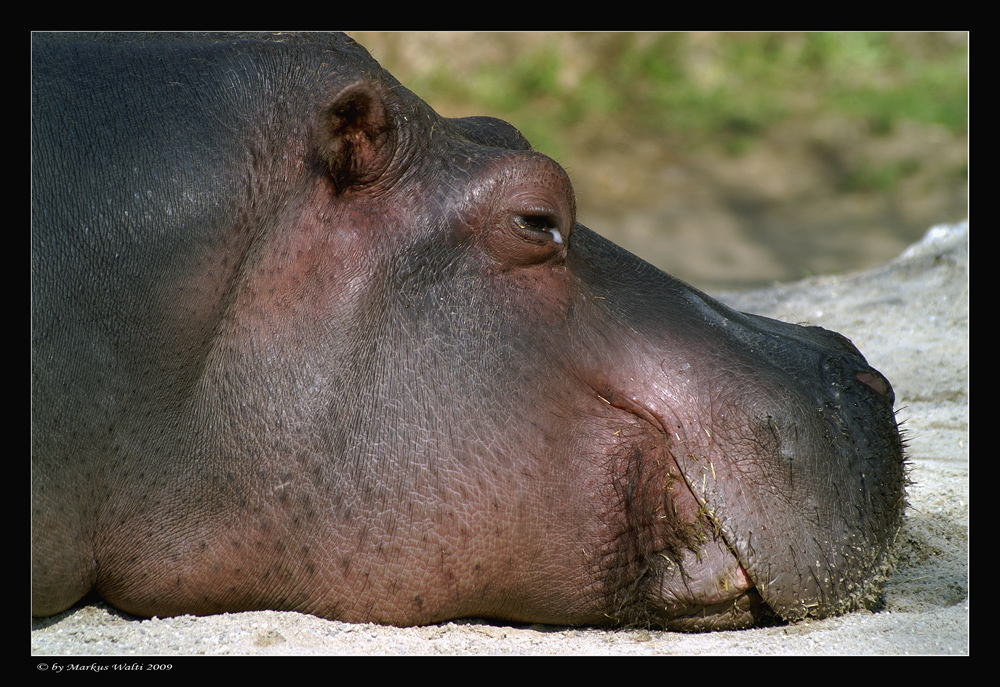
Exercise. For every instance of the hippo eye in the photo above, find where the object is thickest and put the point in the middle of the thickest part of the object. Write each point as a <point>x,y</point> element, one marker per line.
<point>539,224</point>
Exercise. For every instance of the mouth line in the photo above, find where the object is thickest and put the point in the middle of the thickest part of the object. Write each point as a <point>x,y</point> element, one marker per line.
<point>713,591</point>
<point>711,588</point>
<point>745,588</point>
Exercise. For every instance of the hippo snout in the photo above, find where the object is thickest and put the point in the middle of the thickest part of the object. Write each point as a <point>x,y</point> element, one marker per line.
<point>801,485</point>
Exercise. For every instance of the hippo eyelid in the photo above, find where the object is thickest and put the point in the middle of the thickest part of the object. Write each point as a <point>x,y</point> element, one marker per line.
<point>534,222</point>
<point>539,224</point>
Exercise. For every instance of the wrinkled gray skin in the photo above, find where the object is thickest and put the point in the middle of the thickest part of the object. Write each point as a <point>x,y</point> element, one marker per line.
<point>300,343</point>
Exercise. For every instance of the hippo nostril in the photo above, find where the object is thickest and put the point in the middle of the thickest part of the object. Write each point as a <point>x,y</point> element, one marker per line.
<point>877,382</point>
<point>840,368</point>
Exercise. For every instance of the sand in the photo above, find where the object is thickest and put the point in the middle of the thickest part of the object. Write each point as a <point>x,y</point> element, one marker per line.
<point>911,320</point>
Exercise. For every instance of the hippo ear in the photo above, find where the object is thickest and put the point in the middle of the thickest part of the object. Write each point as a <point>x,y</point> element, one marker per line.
<point>355,137</point>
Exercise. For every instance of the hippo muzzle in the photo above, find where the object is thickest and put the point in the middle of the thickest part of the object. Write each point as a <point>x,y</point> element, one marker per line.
<point>782,451</point>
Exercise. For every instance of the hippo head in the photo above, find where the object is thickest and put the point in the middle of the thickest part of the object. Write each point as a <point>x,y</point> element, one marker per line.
<point>638,452</point>
<point>301,343</point>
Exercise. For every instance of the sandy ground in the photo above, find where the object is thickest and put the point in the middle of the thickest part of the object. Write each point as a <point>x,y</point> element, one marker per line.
<point>910,318</point>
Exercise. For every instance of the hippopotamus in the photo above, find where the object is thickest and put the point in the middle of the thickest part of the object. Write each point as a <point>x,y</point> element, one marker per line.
<point>300,343</point>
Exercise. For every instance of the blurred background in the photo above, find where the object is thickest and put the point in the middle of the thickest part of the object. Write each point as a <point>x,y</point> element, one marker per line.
<point>730,160</point>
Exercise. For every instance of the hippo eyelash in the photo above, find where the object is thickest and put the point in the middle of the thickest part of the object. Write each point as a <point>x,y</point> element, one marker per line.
<point>538,223</point>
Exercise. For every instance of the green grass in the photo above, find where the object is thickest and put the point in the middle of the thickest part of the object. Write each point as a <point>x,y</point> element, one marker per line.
<point>721,89</point>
